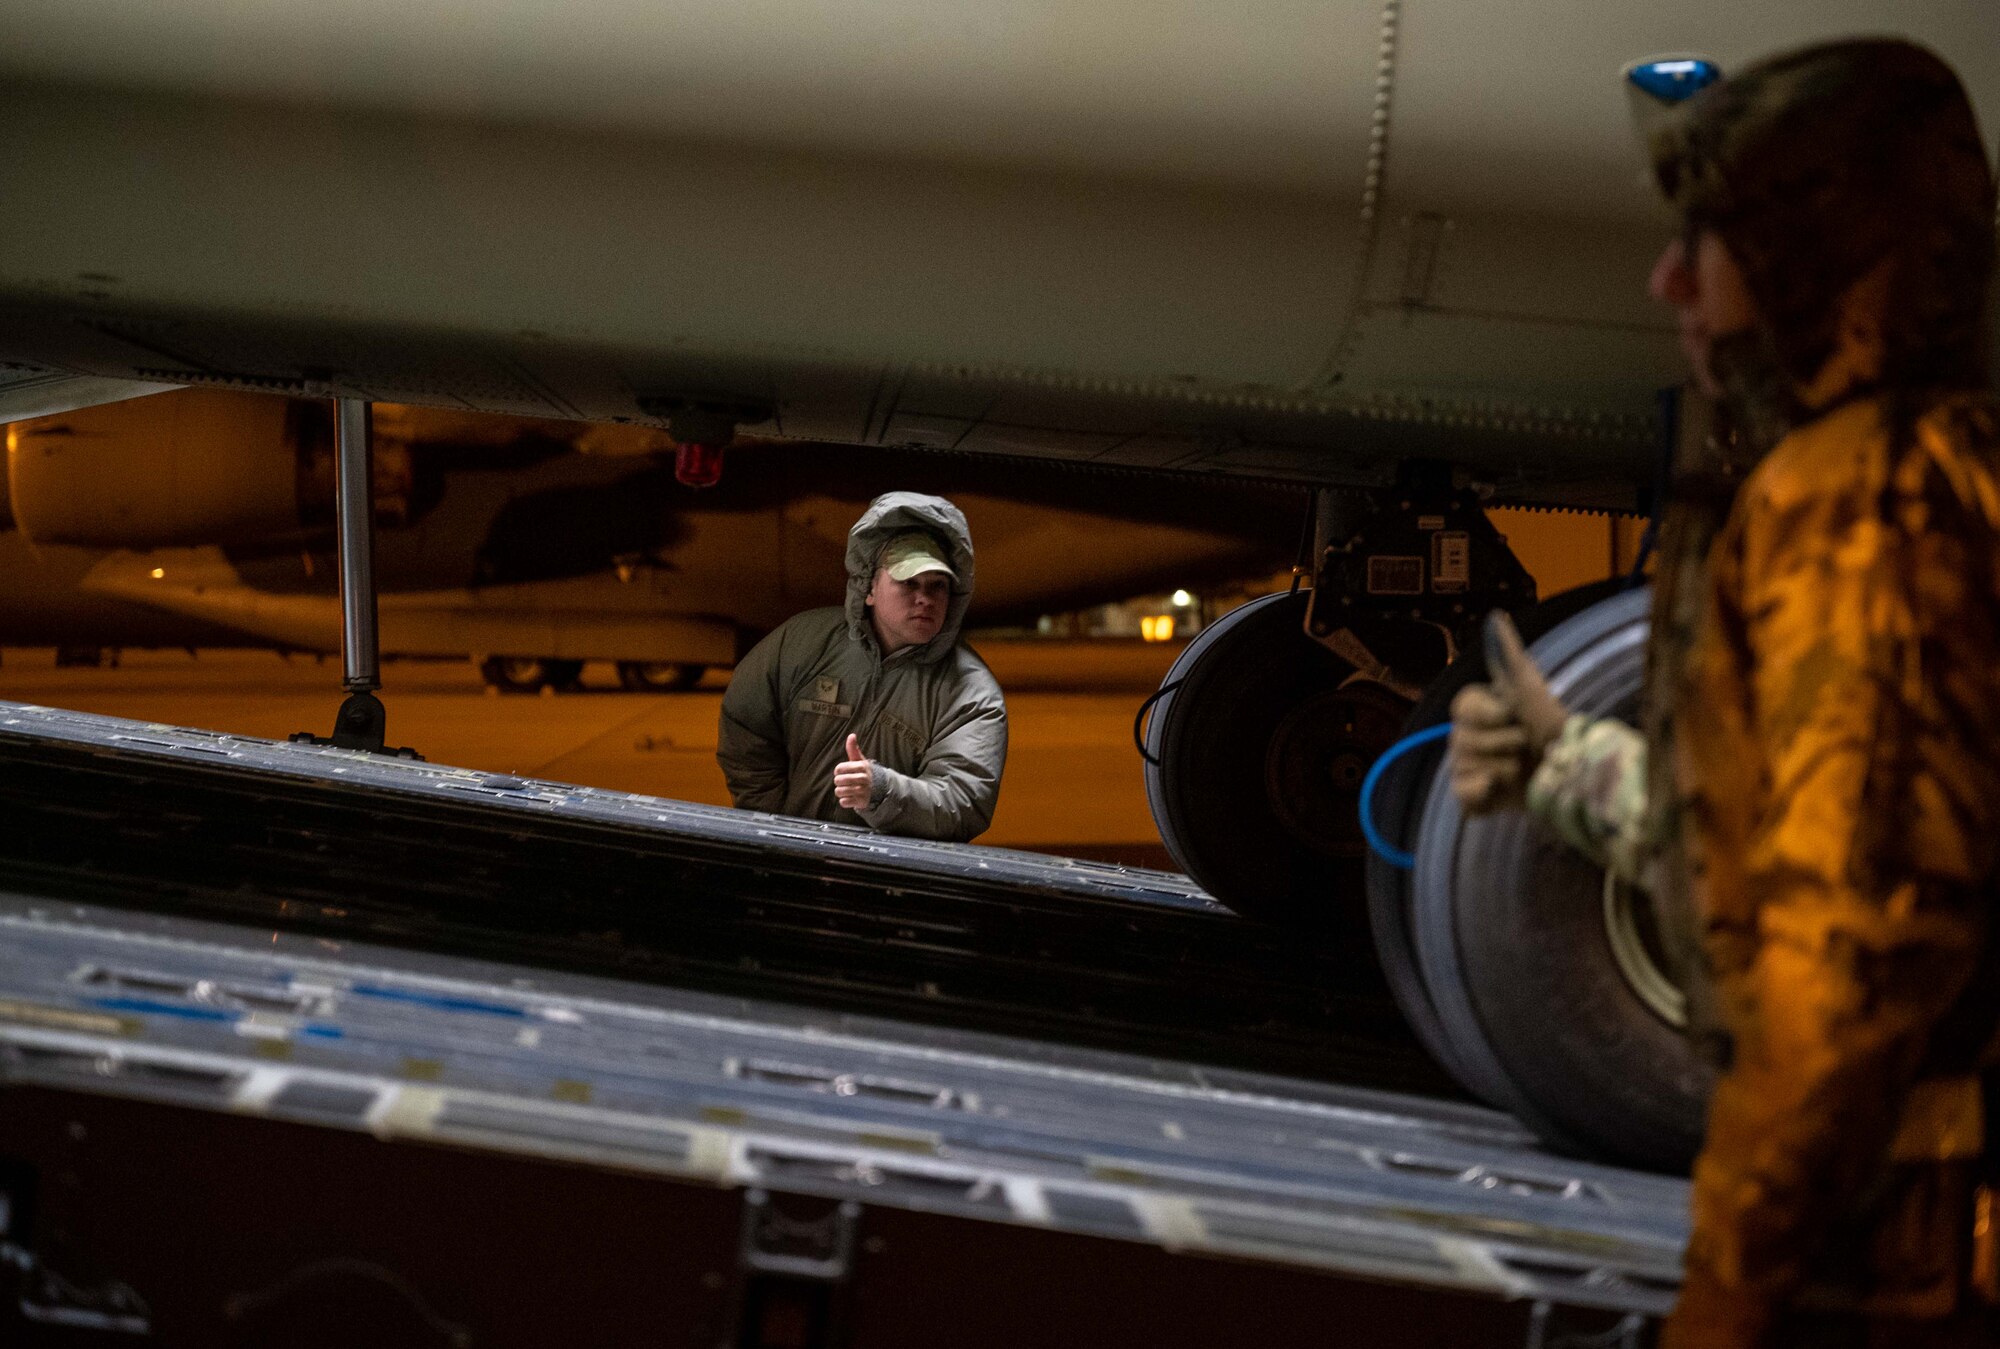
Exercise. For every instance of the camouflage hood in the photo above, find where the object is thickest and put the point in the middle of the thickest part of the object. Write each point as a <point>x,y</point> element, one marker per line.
<point>1819,165</point>
<point>895,513</point>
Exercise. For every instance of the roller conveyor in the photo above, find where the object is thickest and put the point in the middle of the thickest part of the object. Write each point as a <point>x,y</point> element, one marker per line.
<point>191,822</point>
<point>1329,1183</point>
<point>386,1035</point>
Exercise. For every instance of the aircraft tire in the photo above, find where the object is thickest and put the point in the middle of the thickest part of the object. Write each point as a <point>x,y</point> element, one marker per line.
<point>1515,943</point>
<point>529,674</point>
<point>1251,748</point>
<point>1399,808</point>
<point>659,676</point>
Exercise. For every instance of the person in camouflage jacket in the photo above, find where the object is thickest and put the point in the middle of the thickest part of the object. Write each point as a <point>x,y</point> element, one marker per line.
<point>1816,789</point>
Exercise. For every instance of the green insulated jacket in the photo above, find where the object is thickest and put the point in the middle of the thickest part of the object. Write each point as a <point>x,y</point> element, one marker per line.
<point>931,717</point>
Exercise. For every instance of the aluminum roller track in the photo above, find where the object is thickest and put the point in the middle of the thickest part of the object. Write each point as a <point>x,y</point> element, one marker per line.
<point>136,1045</point>
<point>298,1041</point>
<point>363,846</point>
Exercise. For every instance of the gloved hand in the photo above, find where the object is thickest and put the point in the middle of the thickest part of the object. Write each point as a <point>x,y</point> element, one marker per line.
<point>1501,729</point>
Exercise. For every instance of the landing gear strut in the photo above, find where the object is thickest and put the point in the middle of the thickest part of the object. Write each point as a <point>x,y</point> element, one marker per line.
<point>1268,722</point>
<point>1539,985</point>
<point>362,721</point>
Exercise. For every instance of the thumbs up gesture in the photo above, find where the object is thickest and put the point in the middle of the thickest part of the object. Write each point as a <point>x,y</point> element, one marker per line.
<point>854,780</point>
<point>1501,729</point>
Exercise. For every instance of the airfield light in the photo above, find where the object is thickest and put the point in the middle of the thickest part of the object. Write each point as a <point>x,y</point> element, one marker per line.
<point>159,573</point>
<point>1182,599</point>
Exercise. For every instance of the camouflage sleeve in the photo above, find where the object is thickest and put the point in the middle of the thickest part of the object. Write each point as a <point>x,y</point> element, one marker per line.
<point>1869,633</point>
<point>1590,788</point>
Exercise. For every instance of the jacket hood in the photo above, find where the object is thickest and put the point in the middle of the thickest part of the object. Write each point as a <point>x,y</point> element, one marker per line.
<point>1819,165</point>
<point>895,513</point>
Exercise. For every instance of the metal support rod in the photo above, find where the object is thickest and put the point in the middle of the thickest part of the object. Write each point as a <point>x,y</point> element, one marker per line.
<point>1337,515</point>
<point>354,520</point>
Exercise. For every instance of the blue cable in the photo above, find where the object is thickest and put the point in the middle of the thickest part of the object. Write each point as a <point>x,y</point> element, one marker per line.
<point>1385,850</point>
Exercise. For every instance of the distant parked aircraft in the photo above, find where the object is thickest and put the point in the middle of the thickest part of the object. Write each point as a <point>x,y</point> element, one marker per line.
<point>203,518</point>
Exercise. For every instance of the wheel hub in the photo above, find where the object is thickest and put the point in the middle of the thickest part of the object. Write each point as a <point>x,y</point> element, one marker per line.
<point>1635,946</point>
<point>1318,756</point>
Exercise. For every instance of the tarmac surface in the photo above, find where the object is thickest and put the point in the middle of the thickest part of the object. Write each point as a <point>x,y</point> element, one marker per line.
<point>1073,782</point>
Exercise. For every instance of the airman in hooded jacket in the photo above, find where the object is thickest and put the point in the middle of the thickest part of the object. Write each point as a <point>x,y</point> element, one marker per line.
<point>875,713</point>
<point>1817,787</point>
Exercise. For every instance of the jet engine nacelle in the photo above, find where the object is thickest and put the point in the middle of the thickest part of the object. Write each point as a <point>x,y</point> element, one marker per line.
<point>178,469</point>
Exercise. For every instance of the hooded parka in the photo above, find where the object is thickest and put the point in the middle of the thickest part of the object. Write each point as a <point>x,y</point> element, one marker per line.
<point>930,717</point>
<point>1823,720</point>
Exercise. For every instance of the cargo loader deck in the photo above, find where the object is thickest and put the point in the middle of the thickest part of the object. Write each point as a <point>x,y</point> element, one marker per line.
<point>295,1038</point>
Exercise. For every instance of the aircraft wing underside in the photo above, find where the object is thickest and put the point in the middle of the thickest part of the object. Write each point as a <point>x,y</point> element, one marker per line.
<point>1590,458</point>
<point>1260,330</point>
<point>1298,242</point>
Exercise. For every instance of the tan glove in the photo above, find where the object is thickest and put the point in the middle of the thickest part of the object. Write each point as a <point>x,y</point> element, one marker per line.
<point>1501,729</point>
